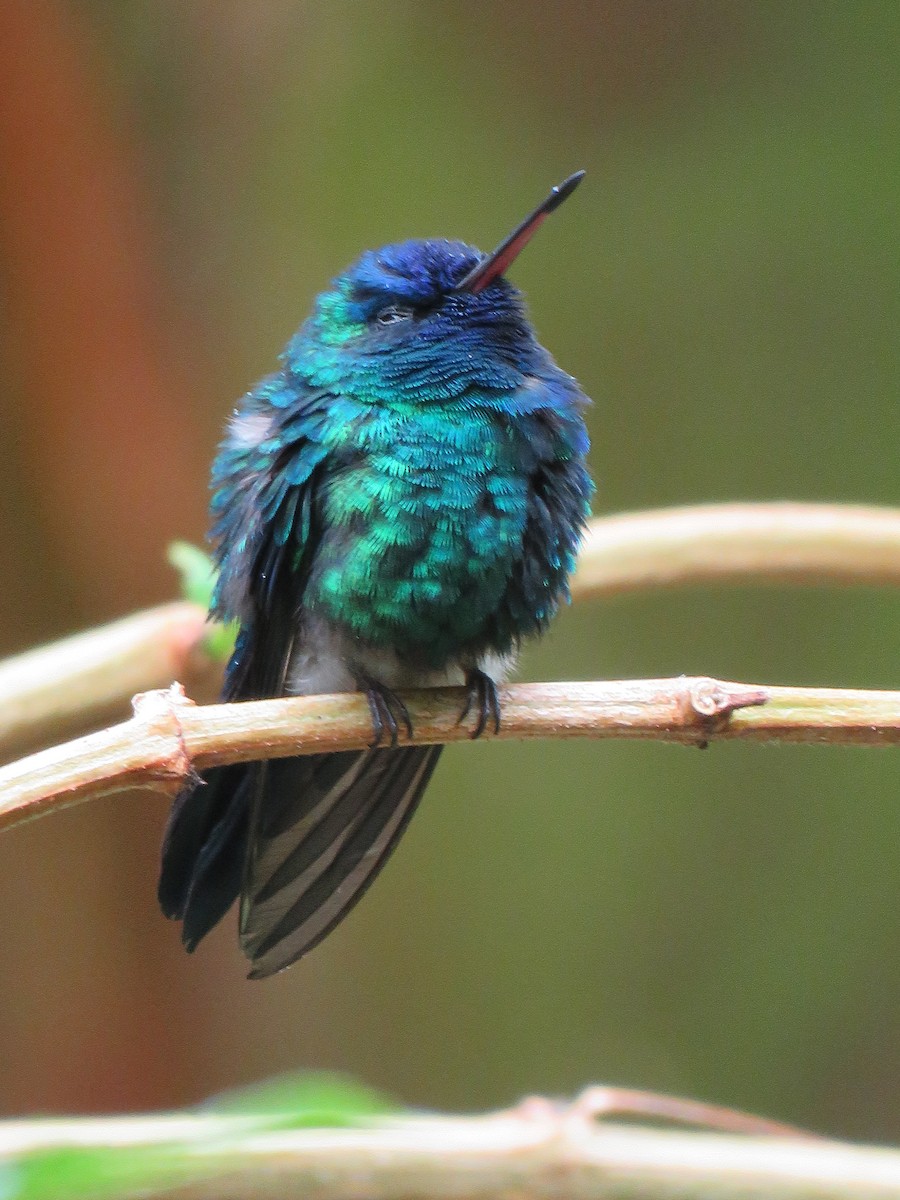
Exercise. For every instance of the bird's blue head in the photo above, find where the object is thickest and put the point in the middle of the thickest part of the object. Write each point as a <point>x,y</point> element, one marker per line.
<point>423,320</point>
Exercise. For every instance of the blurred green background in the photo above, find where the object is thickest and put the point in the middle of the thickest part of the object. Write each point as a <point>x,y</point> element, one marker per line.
<point>178,182</point>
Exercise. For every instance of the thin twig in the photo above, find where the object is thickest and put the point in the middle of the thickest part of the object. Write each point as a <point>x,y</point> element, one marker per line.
<point>84,678</point>
<point>169,737</point>
<point>783,542</point>
<point>536,1151</point>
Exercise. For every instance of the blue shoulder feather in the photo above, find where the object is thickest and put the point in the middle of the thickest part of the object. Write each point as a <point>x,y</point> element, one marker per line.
<point>266,481</point>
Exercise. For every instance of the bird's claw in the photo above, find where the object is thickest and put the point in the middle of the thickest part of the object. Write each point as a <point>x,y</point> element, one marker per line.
<point>482,694</point>
<point>388,712</point>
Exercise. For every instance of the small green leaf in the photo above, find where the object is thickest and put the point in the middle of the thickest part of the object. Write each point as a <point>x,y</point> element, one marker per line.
<point>208,1145</point>
<point>306,1099</point>
<point>198,575</point>
<point>95,1173</point>
<point>219,642</point>
<point>198,578</point>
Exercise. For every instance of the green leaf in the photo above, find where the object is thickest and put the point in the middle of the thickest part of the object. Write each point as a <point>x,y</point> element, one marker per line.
<point>198,574</point>
<point>305,1099</point>
<point>95,1173</point>
<point>198,578</point>
<point>209,1146</point>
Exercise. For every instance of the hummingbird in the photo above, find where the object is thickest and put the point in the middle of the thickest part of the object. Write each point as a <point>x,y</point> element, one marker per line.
<point>398,505</point>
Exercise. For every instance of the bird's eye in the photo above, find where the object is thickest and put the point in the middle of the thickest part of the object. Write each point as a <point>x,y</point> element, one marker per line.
<point>393,313</point>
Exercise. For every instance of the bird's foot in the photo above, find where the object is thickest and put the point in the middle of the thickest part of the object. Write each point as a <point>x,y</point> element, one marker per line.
<point>387,709</point>
<point>482,695</point>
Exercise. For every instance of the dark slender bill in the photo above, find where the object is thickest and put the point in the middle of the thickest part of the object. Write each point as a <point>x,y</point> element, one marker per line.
<point>495,264</point>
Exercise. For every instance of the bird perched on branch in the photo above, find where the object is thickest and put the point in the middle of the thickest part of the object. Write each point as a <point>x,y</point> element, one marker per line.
<point>397,506</point>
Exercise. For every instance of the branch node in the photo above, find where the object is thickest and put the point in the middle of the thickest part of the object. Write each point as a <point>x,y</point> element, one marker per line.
<point>160,710</point>
<point>160,701</point>
<point>714,702</point>
<point>537,1110</point>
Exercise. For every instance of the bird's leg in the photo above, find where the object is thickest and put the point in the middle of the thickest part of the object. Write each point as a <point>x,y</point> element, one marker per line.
<point>387,709</point>
<point>481,694</point>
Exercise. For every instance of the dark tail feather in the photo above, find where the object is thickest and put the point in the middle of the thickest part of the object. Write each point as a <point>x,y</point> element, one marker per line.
<point>322,828</point>
<point>204,849</point>
<point>197,810</point>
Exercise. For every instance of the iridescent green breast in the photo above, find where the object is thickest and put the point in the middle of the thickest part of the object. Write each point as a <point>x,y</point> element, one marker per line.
<point>423,529</point>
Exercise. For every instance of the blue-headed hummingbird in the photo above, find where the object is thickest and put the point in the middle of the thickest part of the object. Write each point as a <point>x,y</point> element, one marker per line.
<point>397,506</point>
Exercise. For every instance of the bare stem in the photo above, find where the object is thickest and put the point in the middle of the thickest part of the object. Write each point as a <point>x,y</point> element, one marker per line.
<point>539,1150</point>
<point>83,678</point>
<point>784,542</point>
<point>169,737</point>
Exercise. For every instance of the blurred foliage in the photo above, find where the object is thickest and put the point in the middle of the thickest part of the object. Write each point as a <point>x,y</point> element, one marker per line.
<point>90,1173</point>
<point>198,578</point>
<point>308,1100</point>
<point>724,286</point>
<point>197,572</point>
<point>304,1100</point>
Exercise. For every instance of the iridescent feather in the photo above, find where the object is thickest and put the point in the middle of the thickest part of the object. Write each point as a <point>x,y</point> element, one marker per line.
<point>398,505</point>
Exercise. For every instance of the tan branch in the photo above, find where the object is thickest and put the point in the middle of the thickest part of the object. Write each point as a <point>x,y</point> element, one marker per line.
<point>169,736</point>
<point>784,542</point>
<point>82,679</point>
<point>539,1150</point>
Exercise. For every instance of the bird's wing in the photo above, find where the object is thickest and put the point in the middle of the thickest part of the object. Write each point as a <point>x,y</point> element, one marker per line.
<point>315,830</point>
<point>557,509</point>
<point>267,527</point>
